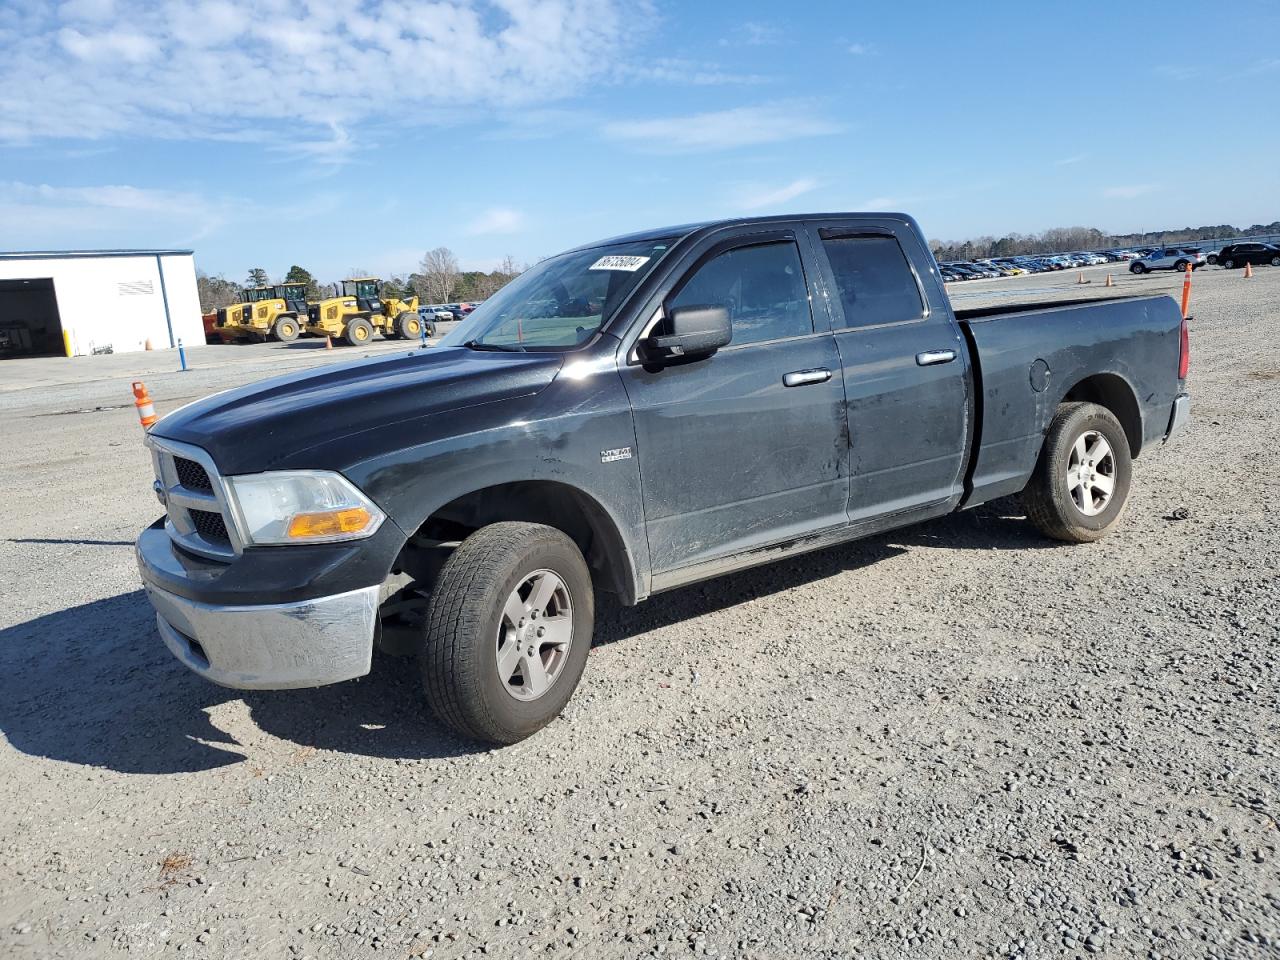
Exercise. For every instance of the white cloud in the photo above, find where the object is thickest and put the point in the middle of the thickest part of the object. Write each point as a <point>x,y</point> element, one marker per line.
<point>1068,161</point>
<point>1130,191</point>
<point>755,196</point>
<point>752,33</point>
<point>497,220</point>
<point>861,49</point>
<point>722,129</point>
<point>36,213</point>
<point>239,69</point>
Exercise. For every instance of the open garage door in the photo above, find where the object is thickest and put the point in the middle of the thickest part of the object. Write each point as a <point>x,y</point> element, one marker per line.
<point>30,325</point>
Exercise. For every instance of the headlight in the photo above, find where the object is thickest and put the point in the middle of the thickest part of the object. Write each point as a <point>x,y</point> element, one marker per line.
<point>301,506</point>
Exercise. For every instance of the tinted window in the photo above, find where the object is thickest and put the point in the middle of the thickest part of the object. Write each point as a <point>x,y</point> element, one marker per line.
<point>874,281</point>
<point>762,287</point>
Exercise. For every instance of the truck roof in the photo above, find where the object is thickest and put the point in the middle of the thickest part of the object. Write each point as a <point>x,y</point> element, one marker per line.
<point>681,231</point>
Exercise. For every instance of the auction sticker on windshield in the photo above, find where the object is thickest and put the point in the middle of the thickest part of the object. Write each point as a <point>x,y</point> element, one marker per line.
<point>620,263</point>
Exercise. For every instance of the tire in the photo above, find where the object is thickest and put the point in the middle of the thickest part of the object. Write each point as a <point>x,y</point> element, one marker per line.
<point>286,330</point>
<point>358,332</point>
<point>1275,261</point>
<point>1136,267</point>
<point>1229,264</point>
<point>1212,259</point>
<point>1180,266</point>
<point>408,325</point>
<point>1051,503</point>
<point>469,621</point>
<point>431,328</point>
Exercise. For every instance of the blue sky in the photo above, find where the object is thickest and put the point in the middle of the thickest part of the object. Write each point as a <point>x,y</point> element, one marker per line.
<point>346,134</point>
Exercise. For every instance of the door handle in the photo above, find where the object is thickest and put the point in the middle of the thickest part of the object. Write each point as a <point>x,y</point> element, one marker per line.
<point>800,378</point>
<point>930,357</point>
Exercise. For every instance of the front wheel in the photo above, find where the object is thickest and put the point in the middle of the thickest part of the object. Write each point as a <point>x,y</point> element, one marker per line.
<point>1275,261</point>
<point>1137,268</point>
<point>1180,266</point>
<point>1081,482</point>
<point>1229,264</point>
<point>408,326</point>
<point>507,631</point>
<point>1212,260</point>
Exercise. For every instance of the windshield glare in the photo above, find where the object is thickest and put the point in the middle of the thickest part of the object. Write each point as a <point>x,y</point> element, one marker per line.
<point>560,303</point>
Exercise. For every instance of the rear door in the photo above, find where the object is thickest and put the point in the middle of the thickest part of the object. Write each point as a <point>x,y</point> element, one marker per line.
<point>746,447</point>
<point>906,369</point>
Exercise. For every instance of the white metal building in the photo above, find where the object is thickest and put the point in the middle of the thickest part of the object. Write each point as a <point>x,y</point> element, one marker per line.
<point>77,302</point>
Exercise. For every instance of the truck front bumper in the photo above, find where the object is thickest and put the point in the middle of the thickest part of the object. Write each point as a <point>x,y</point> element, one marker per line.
<point>262,646</point>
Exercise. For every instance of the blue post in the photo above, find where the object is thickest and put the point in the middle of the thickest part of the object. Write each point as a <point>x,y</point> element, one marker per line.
<point>182,356</point>
<point>422,329</point>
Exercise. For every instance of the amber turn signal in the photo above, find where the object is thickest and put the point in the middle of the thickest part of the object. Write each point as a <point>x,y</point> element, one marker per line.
<point>331,523</point>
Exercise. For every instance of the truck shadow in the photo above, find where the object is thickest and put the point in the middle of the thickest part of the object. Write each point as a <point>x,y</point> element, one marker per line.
<point>93,684</point>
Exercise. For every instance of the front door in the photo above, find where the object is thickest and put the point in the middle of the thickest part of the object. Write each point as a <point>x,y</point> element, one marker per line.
<point>905,370</point>
<point>746,447</point>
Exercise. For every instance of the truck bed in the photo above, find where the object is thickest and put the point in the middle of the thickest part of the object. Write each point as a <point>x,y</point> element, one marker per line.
<point>1028,306</point>
<point>1120,351</point>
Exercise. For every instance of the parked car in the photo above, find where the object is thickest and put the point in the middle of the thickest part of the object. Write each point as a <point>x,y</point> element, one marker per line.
<point>1170,258</point>
<point>438,313</point>
<point>466,503</point>
<point>1238,254</point>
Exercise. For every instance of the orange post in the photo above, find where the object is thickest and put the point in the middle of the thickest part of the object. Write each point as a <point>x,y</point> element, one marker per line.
<point>146,409</point>
<point>1186,291</point>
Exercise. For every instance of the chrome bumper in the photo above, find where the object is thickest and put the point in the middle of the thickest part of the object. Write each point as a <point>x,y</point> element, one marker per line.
<point>1180,418</point>
<point>274,646</point>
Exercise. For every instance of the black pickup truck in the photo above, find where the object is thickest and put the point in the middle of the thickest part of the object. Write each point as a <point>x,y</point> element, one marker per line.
<point>631,416</point>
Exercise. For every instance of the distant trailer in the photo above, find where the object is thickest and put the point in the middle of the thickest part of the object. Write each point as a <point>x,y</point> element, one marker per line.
<point>84,302</point>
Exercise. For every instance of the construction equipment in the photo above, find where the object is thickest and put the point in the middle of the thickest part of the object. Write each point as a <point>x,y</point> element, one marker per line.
<point>273,313</point>
<point>234,321</point>
<point>354,316</point>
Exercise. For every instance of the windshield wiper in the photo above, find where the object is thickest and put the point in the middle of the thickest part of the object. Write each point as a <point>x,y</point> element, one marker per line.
<point>498,347</point>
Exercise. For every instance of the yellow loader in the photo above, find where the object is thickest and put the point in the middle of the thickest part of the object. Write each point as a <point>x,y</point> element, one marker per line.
<point>360,311</point>
<point>280,316</point>
<point>232,320</point>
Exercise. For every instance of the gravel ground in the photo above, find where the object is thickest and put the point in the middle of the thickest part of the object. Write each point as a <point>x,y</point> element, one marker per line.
<point>957,740</point>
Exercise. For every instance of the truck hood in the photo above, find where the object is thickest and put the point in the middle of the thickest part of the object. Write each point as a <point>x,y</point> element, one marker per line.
<point>252,428</point>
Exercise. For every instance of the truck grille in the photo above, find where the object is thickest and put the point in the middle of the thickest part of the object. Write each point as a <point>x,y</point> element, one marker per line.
<point>198,519</point>
<point>191,475</point>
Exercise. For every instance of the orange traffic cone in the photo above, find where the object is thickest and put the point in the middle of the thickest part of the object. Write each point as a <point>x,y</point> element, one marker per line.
<point>147,345</point>
<point>146,409</point>
<point>328,342</point>
<point>1080,277</point>
<point>1109,282</point>
<point>1248,270</point>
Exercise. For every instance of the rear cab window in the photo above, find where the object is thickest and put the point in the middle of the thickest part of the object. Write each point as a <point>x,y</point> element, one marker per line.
<point>874,281</point>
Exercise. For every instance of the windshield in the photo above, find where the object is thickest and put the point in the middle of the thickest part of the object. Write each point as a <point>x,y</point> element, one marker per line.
<point>291,291</point>
<point>364,289</point>
<point>560,303</point>
<point>259,293</point>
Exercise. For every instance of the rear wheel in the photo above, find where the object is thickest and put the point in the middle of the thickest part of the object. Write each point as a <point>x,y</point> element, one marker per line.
<point>507,631</point>
<point>1275,261</point>
<point>358,332</point>
<point>409,325</point>
<point>286,330</point>
<point>1229,264</point>
<point>1212,259</point>
<point>1136,267</point>
<point>1081,482</point>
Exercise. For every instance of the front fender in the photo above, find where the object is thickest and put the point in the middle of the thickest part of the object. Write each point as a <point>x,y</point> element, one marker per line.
<point>576,432</point>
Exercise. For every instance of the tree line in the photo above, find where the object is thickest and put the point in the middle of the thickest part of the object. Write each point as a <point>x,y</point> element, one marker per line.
<point>1062,239</point>
<point>438,279</point>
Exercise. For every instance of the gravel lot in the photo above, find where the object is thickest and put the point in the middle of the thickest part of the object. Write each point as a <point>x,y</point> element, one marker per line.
<point>955,740</point>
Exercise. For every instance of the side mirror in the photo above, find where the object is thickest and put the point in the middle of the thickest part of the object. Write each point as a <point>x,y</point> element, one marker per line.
<point>695,331</point>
